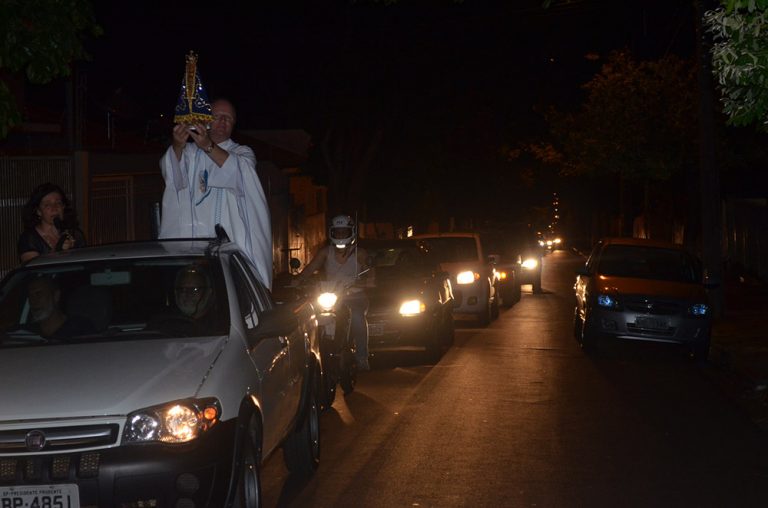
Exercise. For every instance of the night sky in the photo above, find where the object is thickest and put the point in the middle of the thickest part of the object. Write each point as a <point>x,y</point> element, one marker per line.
<point>448,83</point>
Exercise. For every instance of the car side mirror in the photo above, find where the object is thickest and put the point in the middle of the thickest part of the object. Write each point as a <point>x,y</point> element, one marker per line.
<point>275,322</point>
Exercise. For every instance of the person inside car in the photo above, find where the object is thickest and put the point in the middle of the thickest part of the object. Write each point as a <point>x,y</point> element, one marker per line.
<point>343,262</point>
<point>193,292</point>
<point>46,315</point>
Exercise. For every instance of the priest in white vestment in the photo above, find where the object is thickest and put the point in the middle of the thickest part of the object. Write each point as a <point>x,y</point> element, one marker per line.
<point>212,180</point>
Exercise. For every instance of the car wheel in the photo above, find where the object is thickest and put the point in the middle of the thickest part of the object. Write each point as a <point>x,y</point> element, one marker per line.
<point>248,492</point>
<point>536,285</point>
<point>329,380</point>
<point>484,318</point>
<point>700,351</point>
<point>584,334</point>
<point>301,450</point>
<point>495,306</point>
<point>516,293</point>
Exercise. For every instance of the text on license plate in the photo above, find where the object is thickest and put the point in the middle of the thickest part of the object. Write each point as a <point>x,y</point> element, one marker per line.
<point>40,496</point>
<point>651,323</point>
<point>375,329</point>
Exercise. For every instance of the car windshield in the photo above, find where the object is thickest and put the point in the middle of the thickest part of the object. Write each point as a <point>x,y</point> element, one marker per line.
<point>113,300</point>
<point>648,263</point>
<point>453,249</point>
<point>399,262</point>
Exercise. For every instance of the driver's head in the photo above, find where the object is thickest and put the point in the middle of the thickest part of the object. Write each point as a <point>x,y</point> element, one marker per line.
<point>342,231</point>
<point>44,296</point>
<point>193,291</point>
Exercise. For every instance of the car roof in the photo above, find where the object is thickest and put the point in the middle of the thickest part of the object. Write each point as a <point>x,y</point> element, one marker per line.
<point>446,235</point>
<point>130,250</point>
<point>378,243</point>
<point>640,242</point>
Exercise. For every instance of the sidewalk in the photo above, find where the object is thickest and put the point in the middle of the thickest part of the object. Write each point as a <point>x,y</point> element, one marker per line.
<point>740,343</point>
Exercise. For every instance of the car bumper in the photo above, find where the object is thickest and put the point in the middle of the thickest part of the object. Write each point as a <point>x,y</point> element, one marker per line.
<point>470,300</point>
<point>644,327</point>
<point>387,332</point>
<point>195,474</point>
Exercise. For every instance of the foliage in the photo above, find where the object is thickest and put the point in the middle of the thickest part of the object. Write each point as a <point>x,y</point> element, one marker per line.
<point>740,59</point>
<point>40,39</point>
<point>637,121</point>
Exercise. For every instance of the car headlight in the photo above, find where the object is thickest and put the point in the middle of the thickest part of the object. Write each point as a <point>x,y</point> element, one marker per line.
<point>699,309</point>
<point>412,308</point>
<point>175,422</point>
<point>467,277</point>
<point>502,275</point>
<point>557,241</point>
<point>607,301</point>
<point>530,263</point>
<point>326,301</point>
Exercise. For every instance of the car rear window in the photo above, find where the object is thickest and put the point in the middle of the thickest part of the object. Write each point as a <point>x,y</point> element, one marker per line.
<point>452,249</point>
<point>648,263</point>
<point>113,300</point>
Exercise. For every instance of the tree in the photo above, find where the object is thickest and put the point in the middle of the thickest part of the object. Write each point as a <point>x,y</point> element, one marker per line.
<point>740,59</point>
<point>634,129</point>
<point>40,39</point>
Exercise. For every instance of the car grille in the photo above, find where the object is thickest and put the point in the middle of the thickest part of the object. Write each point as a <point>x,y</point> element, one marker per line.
<point>662,308</point>
<point>44,468</point>
<point>55,439</point>
<point>664,332</point>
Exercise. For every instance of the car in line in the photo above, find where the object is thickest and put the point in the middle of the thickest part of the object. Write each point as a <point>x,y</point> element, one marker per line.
<point>151,374</point>
<point>474,282</point>
<point>643,290</point>
<point>411,304</point>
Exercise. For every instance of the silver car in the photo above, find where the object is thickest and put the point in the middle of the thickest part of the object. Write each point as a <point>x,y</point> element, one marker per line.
<point>151,374</point>
<point>643,290</point>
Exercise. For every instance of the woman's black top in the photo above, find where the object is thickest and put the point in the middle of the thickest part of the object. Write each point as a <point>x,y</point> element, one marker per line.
<point>30,240</point>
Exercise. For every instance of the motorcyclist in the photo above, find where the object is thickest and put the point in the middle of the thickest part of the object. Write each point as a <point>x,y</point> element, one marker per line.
<point>343,262</point>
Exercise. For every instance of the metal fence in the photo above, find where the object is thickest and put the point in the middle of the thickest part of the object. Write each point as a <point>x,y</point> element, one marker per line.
<point>19,175</point>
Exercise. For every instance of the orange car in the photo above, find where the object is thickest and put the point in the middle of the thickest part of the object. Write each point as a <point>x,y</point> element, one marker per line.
<point>645,290</point>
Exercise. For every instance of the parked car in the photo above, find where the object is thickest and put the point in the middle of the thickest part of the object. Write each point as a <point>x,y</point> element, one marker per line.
<point>472,276</point>
<point>643,290</point>
<point>151,374</point>
<point>411,305</point>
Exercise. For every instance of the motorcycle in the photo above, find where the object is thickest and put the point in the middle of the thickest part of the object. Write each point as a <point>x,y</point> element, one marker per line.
<point>337,346</point>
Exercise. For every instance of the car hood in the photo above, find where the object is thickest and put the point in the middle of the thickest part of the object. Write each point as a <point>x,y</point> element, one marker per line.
<point>99,379</point>
<point>651,288</point>
<point>456,268</point>
<point>393,291</point>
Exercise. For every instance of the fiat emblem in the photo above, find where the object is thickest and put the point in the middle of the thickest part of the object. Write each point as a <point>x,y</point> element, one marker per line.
<point>35,440</point>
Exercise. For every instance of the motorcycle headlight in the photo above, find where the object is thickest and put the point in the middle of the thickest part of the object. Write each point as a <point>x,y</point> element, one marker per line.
<point>326,301</point>
<point>530,263</point>
<point>467,277</point>
<point>175,422</point>
<point>412,308</point>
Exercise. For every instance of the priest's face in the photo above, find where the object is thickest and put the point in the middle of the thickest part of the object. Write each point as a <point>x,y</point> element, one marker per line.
<point>223,121</point>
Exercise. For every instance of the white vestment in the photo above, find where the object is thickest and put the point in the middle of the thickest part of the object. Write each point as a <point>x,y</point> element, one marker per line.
<point>199,194</point>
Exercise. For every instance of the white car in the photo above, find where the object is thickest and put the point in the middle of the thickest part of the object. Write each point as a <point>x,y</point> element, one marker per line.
<point>151,374</point>
<point>473,278</point>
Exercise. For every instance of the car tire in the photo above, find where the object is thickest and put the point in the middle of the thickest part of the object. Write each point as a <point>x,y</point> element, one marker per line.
<point>583,332</point>
<point>348,374</point>
<point>700,350</point>
<point>495,306</point>
<point>484,318</point>
<point>517,293</point>
<point>248,490</point>
<point>301,450</point>
<point>536,284</point>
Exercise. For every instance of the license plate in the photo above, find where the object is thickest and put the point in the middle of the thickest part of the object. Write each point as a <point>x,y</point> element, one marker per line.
<point>40,496</point>
<point>375,329</point>
<point>651,323</point>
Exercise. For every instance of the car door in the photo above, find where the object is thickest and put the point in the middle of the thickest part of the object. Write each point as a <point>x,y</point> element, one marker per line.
<point>269,355</point>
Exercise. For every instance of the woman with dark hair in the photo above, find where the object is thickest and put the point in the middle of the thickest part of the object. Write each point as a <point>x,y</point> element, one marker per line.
<point>50,223</point>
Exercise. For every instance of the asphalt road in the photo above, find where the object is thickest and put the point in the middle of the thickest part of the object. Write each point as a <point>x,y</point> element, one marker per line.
<point>516,415</point>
